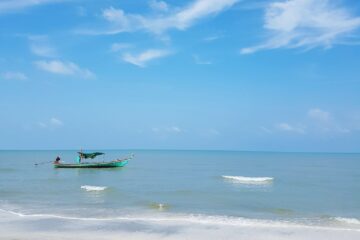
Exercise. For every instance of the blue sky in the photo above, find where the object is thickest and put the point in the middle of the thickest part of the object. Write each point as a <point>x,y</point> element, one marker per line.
<point>268,75</point>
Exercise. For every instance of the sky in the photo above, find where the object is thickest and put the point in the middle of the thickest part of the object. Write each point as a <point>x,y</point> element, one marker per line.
<point>249,75</point>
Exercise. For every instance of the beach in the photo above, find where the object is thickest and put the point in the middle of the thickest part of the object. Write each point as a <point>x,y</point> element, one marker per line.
<point>46,227</point>
<point>181,195</point>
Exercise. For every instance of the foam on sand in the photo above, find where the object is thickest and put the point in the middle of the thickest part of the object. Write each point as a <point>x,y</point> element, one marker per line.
<point>249,180</point>
<point>348,220</point>
<point>93,188</point>
<point>216,220</point>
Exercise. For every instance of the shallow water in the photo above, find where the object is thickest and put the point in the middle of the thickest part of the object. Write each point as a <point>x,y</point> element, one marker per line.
<point>236,188</point>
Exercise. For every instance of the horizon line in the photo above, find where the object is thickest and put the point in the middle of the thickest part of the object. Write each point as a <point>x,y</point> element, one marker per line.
<point>157,149</point>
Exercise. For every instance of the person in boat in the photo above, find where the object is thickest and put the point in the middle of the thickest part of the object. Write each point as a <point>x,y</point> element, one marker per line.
<point>57,160</point>
<point>79,158</point>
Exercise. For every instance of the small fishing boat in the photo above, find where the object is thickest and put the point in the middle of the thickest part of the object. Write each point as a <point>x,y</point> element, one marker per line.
<point>110,164</point>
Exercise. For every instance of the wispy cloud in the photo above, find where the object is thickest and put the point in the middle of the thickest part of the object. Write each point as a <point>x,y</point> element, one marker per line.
<point>187,16</point>
<point>56,122</point>
<point>319,115</point>
<point>15,5</point>
<point>181,18</point>
<point>42,50</point>
<point>306,24</point>
<point>143,58</point>
<point>39,45</point>
<point>115,47</point>
<point>200,61</point>
<point>159,5</point>
<point>14,76</point>
<point>290,128</point>
<point>119,20</point>
<point>323,121</point>
<point>53,122</point>
<point>316,121</point>
<point>167,130</point>
<point>212,38</point>
<point>265,129</point>
<point>64,68</point>
<point>173,129</point>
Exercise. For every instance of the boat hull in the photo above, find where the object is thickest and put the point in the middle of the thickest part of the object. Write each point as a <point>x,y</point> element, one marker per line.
<point>112,164</point>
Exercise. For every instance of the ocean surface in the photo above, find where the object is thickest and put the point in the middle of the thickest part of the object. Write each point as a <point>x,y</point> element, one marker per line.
<point>182,195</point>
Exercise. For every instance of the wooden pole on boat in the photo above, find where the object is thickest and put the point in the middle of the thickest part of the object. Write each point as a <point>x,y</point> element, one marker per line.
<point>43,163</point>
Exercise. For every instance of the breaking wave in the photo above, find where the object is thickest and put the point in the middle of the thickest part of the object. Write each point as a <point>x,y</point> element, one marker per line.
<point>93,188</point>
<point>200,219</point>
<point>348,220</point>
<point>249,180</point>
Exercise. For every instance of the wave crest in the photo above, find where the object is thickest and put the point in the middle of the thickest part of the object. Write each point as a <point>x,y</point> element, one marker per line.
<point>201,219</point>
<point>348,220</point>
<point>249,180</point>
<point>93,188</point>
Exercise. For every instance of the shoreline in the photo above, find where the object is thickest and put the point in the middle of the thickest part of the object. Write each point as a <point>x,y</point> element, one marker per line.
<point>15,225</point>
<point>197,219</point>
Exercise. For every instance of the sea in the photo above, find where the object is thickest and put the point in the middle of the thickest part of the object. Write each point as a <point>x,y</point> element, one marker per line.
<point>171,194</point>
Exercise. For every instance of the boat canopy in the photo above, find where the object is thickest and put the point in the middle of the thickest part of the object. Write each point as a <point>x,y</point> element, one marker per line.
<point>90,155</point>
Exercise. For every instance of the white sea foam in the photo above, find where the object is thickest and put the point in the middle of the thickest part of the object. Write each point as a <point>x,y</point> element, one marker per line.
<point>197,219</point>
<point>348,220</point>
<point>249,180</point>
<point>169,227</point>
<point>93,188</point>
<point>191,218</point>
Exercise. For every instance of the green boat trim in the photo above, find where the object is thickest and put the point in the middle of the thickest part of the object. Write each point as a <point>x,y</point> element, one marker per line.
<point>112,164</point>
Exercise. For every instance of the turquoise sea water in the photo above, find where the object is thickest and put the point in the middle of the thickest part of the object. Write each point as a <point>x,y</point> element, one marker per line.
<point>310,189</point>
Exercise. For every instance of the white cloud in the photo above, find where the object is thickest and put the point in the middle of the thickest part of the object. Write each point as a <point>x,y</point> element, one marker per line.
<point>173,129</point>
<point>56,122</point>
<point>307,24</point>
<point>167,130</point>
<point>290,128</point>
<point>141,59</point>
<point>115,47</point>
<point>39,45</point>
<point>187,16</point>
<point>14,5</point>
<point>212,38</point>
<point>323,121</point>
<point>159,5</point>
<point>318,122</point>
<point>319,115</point>
<point>180,19</point>
<point>64,68</point>
<point>266,130</point>
<point>14,76</point>
<point>51,123</point>
<point>42,50</point>
<point>118,17</point>
<point>200,61</point>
